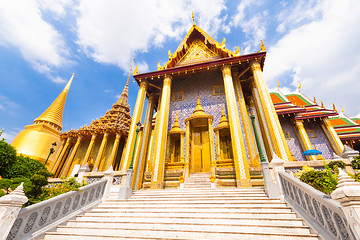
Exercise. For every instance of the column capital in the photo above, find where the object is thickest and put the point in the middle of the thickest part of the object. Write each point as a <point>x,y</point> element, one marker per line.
<point>167,80</point>
<point>143,84</point>
<point>298,122</point>
<point>226,70</point>
<point>151,97</point>
<point>118,136</point>
<point>255,65</point>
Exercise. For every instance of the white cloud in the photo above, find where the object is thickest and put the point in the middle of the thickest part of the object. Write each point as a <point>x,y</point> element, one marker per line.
<point>9,135</point>
<point>323,55</point>
<point>112,32</point>
<point>253,25</point>
<point>57,79</point>
<point>57,7</point>
<point>22,27</point>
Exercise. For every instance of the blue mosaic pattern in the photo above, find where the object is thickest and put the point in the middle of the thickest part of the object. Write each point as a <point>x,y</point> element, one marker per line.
<point>293,143</point>
<point>320,142</point>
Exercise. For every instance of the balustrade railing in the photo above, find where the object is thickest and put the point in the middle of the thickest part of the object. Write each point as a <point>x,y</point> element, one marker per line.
<point>35,220</point>
<point>321,212</point>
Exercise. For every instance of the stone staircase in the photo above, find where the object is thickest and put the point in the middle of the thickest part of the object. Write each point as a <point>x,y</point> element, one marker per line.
<point>199,213</point>
<point>198,180</point>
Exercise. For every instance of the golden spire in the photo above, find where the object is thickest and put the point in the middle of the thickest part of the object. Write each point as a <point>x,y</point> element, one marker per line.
<point>192,14</point>
<point>176,127</point>
<point>198,110</point>
<point>54,113</point>
<point>223,116</point>
<point>123,100</point>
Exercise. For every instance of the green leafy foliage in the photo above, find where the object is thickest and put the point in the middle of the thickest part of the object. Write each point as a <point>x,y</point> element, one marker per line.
<point>7,156</point>
<point>339,164</point>
<point>356,163</point>
<point>324,181</point>
<point>67,186</point>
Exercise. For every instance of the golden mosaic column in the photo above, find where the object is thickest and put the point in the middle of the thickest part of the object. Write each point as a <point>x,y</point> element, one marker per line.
<point>212,150</point>
<point>161,136</point>
<point>304,138</point>
<point>140,166</point>
<point>51,169</point>
<point>241,165</point>
<point>89,150</point>
<point>69,161</point>
<point>57,167</point>
<point>332,136</point>
<point>114,150</point>
<point>188,148</point>
<point>101,151</point>
<point>245,117</point>
<point>276,133</point>
<point>139,105</point>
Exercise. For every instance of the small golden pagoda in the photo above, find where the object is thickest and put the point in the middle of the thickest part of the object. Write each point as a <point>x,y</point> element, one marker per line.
<point>99,145</point>
<point>37,139</point>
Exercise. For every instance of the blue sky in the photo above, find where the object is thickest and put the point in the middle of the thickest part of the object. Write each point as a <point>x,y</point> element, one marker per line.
<point>43,42</point>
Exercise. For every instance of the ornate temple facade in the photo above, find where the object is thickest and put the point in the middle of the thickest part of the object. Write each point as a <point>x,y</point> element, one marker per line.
<point>97,146</point>
<point>214,114</point>
<point>44,134</point>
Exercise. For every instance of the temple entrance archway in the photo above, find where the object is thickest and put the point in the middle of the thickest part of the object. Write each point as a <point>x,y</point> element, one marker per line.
<point>200,149</point>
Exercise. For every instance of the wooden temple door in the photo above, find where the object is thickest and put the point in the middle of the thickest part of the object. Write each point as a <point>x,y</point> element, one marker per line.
<point>200,152</point>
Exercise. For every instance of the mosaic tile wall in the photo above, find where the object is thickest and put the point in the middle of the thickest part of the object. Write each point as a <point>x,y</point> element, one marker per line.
<point>320,142</point>
<point>293,143</point>
<point>202,85</point>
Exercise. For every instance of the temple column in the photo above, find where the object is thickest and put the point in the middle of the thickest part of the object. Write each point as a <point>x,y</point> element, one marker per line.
<point>332,136</point>
<point>182,158</point>
<point>218,151</point>
<point>129,148</point>
<point>276,133</point>
<point>57,168</point>
<point>69,161</point>
<point>114,150</point>
<point>238,147</point>
<point>101,151</point>
<point>89,150</point>
<point>187,143</point>
<point>212,150</point>
<point>51,169</point>
<point>161,136</point>
<point>304,138</point>
<point>140,166</point>
<point>245,118</point>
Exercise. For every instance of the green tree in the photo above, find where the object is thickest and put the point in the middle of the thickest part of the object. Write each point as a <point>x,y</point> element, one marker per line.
<point>7,156</point>
<point>23,167</point>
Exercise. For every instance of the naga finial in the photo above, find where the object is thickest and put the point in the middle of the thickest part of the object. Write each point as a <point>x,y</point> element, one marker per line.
<point>262,46</point>
<point>315,100</point>
<point>136,72</point>
<point>223,42</point>
<point>237,52</point>
<point>299,86</point>
<point>322,104</point>
<point>159,66</point>
<point>342,110</point>
<point>278,85</point>
<point>334,108</point>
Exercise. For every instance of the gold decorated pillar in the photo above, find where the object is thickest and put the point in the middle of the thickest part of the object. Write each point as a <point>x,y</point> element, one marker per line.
<point>240,161</point>
<point>212,150</point>
<point>140,165</point>
<point>114,150</point>
<point>218,152</point>
<point>59,162</point>
<point>304,138</point>
<point>101,151</point>
<point>52,167</point>
<point>89,150</point>
<point>245,118</point>
<point>187,143</point>
<point>69,161</point>
<point>332,136</point>
<point>125,163</point>
<point>161,135</point>
<point>271,118</point>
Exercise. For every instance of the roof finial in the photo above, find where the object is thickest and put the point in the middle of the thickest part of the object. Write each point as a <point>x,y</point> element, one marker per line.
<point>136,72</point>
<point>315,100</point>
<point>192,13</point>
<point>322,104</point>
<point>334,108</point>
<point>299,86</point>
<point>237,51</point>
<point>1,131</point>
<point>262,46</point>
<point>278,85</point>
<point>223,42</point>
<point>342,111</point>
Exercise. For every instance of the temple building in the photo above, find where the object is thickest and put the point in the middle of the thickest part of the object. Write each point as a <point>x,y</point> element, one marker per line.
<point>44,134</point>
<point>214,114</point>
<point>98,145</point>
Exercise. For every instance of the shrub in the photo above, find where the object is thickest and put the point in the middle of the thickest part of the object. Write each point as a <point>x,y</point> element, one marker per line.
<point>356,163</point>
<point>340,164</point>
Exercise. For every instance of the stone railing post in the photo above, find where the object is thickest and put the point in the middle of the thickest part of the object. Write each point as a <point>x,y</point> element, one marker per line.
<point>82,171</point>
<point>349,153</point>
<point>347,193</point>
<point>109,176</point>
<point>10,206</point>
<point>277,165</point>
<point>126,191</point>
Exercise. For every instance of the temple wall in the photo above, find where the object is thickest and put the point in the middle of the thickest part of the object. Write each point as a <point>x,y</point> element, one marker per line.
<point>320,142</point>
<point>293,142</point>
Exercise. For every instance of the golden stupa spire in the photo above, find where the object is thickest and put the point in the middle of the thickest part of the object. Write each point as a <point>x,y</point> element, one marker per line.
<point>54,113</point>
<point>123,100</point>
<point>192,14</point>
<point>198,109</point>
